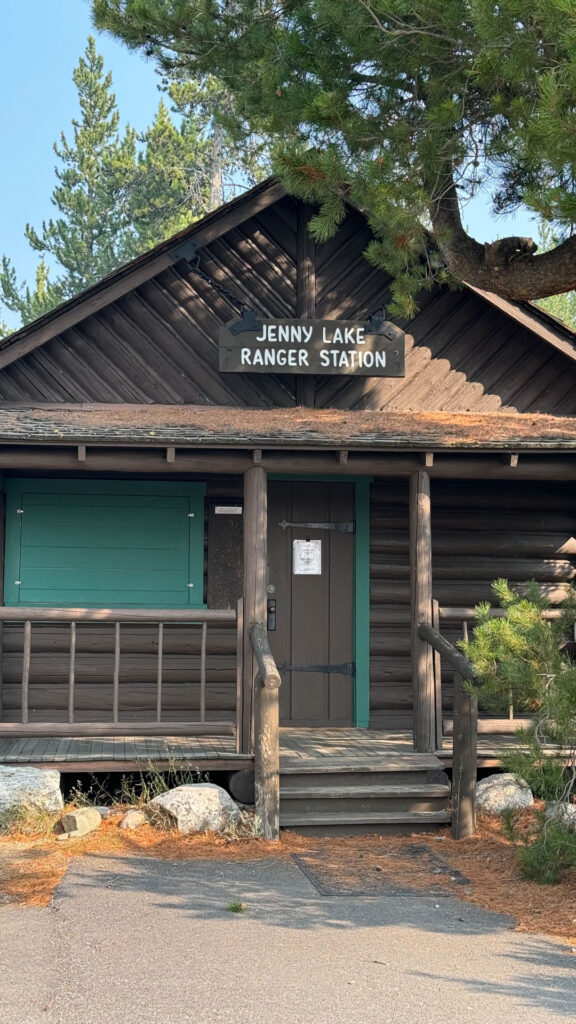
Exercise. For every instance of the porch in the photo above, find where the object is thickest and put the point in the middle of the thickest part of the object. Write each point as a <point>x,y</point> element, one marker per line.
<point>128,752</point>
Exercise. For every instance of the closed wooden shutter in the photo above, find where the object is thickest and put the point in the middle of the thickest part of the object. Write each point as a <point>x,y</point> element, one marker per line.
<point>122,544</point>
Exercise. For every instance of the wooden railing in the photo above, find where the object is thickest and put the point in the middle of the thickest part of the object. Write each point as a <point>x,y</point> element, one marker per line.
<point>465,742</point>
<point>266,734</point>
<point>117,617</point>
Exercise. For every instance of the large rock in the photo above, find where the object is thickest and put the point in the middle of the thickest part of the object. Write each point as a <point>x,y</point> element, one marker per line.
<point>505,792</point>
<point>202,807</point>
<point>562,812</point>
<point>23,788</point>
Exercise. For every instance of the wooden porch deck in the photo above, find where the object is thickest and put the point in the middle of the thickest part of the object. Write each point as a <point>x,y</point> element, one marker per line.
<point>105,754</point>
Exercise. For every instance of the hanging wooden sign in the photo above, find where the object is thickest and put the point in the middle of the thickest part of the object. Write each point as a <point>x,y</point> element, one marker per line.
<point>373,348</point>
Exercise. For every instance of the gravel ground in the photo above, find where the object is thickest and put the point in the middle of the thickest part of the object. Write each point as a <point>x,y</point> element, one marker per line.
<point>137,941</point>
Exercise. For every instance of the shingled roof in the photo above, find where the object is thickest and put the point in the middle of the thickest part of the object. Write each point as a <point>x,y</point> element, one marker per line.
<point>157,425</point>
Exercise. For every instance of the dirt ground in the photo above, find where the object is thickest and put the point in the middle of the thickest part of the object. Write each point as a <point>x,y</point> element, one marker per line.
<point>32,866</point>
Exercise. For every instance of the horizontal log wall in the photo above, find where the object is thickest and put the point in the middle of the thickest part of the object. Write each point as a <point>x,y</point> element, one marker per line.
<point>480,531</point>
<point>390,664</point>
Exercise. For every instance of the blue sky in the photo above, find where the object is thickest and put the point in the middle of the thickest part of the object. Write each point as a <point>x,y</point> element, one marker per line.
<point>40,43</point>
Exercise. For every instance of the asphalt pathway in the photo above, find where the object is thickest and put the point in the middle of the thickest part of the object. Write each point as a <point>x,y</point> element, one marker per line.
<point>137,941</point>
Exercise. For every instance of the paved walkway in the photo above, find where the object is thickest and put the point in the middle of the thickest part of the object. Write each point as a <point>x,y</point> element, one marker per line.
<point>136,941</point>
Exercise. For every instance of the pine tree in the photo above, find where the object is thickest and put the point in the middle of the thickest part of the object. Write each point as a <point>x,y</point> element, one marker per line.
<point>119,193</point>
<point>407,107</point>
<point>563,305</point>
<point>93,231</point>
<point>163,190</point>
<point>189,162</point>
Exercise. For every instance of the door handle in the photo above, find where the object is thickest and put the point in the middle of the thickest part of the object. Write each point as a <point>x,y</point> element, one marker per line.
<point>271,615</point>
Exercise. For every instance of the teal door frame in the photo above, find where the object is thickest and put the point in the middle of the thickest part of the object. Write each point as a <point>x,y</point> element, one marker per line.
<point>361,584</point>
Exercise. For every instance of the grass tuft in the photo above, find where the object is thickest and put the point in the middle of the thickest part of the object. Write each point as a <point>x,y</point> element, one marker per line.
<point>27,821</point>
<point>237,908</point>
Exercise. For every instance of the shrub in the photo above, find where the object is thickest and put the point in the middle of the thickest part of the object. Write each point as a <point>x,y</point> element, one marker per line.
<point>524,658</point>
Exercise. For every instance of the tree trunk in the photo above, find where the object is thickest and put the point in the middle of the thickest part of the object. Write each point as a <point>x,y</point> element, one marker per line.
<point>216,195</point>
<point>509,266</point>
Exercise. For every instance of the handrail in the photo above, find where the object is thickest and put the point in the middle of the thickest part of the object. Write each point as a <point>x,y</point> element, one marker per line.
<point>458,661</point>
<point>25,614</point>
<point>267,668</point>
<point>465,743</point>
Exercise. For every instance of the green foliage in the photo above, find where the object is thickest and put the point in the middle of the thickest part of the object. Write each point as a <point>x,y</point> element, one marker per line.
<point>522,658</point>
<point>27,821</point>
<point>119,194</point>
<point>139,788</point>
<point>401,105</point>
<point>548,853</point>
<point>545,772</point>
<point>519,656</point>
<point>562,306</point>
<point>136,787</point>
<point>237,908</point>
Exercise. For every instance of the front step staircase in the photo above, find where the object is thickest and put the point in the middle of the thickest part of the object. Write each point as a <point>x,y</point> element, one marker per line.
<point>387,793</point>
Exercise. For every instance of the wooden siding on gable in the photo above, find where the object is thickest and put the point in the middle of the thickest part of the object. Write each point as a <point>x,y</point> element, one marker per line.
<point>159,342</point>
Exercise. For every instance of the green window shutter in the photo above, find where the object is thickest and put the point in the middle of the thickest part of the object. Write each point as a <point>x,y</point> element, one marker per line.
<point>98,543</point>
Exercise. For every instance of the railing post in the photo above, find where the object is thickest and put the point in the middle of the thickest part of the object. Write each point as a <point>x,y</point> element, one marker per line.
<point>437,666</point>
<point>242,741</point>
<point>255,580</point>
<point>71,672</point>
<point>464,760</point>
<point>424,702</point>
<point>203,673</point>
<point>267,758</point>
<point>26,656</point>
<point>465,732</point>
<point>266,734</point>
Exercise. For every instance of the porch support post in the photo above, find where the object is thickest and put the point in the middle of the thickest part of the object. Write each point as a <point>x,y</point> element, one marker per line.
<point>255,581</point>
<point>424,724</point>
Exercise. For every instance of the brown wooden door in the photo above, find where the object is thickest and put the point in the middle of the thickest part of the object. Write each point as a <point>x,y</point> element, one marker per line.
<point>314,612</point>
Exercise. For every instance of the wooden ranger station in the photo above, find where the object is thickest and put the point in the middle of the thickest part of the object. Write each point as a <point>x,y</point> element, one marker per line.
<point>224,469</point>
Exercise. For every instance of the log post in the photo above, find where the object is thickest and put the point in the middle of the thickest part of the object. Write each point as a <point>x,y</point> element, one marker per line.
<point>266,734</point>
<point>464,755</point>
<point>255,581</point>
<point>424,698</point>
<point>267,758</point>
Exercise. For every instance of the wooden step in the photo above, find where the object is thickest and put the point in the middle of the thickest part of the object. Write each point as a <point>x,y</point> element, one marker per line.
<point>335,792</point>
<point>326,822</point>
<point>370,763</point>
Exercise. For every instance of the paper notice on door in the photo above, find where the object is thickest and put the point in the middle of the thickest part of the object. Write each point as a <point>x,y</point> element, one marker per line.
<point>307,557</point>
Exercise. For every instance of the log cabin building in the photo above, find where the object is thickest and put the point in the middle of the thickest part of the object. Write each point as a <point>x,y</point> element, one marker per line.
<point>181,460</point>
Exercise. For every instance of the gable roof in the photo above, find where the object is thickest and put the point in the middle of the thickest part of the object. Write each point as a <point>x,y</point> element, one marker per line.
<point>137,271</point>
<point>535,318</point>
<point>451,345</point>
